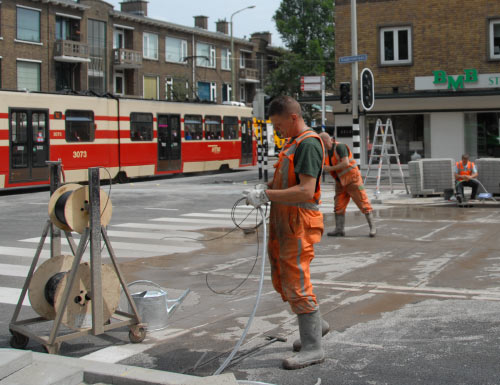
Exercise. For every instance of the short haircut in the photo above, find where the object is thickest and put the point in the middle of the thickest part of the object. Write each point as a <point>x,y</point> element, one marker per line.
<point>284,105</point>
<point>465,156</point>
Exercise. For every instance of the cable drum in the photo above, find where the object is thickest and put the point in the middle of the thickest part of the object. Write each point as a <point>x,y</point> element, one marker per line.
<point>46,291</point>
<point>69,208</point>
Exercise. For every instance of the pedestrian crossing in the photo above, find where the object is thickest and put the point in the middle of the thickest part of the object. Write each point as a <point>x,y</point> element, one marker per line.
<point>169,233</point>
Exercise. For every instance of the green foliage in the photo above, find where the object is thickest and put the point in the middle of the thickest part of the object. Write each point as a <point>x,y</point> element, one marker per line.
<point>307,28</point>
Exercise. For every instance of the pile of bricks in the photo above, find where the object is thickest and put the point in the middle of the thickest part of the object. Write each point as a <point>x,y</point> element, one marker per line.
<point>430,176</point>
<point>489,174</point>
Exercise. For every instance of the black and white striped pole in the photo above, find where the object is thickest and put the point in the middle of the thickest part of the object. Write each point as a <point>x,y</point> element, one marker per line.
<point>356,138</point>
<point>266,148</point>
<point>259,148</point>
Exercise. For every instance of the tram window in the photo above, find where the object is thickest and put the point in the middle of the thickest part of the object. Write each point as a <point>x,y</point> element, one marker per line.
<point>193,129</point>
<point>19,122</point>
<point>213,130</point>
<point>230,127</point>
<point>141,126</point>
<point>38,122</point>
<point>80,126</point>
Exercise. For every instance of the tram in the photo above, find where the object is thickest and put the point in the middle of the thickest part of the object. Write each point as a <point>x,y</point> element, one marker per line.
<point>129,137</point>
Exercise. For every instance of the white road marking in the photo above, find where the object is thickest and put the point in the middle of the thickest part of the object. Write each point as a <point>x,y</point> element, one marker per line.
<point>10,295</point>
<point>223,216</point>
<point>155,235</point>
<point>159,208</point>
<point>206,222</point>
<point>158,226</point>
<point>425,237</point>
<point>14,270</point>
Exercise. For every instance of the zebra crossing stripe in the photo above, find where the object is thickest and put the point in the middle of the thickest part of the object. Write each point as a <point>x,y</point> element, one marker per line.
<point>23,252</point>
<point>204,222</point>
<point>162,227</point>
<point>14,270</point>
<point>10,295</point>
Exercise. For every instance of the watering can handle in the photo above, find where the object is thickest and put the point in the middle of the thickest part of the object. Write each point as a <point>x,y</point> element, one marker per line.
<point>148,282</point>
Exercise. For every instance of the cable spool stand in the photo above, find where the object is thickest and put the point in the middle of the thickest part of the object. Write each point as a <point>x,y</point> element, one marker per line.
<point>82,296</point>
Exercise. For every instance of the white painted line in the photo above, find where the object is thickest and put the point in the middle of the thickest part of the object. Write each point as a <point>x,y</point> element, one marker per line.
<point>145,246</point>
<point>161,227</point>
<point>10,295</point>
<point>425,237</point>
<point>159,208</point>
<point>224,216</point>
<point>113,354</point>
<point>155,235</point>
<point>23,252</point>
<point>14,270</point>
<point>206,222</point>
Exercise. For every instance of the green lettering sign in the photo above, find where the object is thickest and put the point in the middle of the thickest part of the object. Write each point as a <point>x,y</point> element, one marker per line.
<point>440,77</point>
<point>455,83</point>
<point>471,76</point>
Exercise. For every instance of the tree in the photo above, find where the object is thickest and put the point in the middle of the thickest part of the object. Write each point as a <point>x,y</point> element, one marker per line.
<point>307,29</point>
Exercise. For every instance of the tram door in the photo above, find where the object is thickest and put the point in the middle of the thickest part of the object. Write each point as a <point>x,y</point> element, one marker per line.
<point>246,141</point>
<point>169,142</point>
<point>29,145</point>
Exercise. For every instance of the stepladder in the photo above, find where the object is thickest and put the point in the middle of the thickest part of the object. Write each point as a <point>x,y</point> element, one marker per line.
<point>384,152</point>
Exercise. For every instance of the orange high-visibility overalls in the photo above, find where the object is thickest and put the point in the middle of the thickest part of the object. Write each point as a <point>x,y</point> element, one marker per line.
<point>348,184</point>
<point>294,229</point>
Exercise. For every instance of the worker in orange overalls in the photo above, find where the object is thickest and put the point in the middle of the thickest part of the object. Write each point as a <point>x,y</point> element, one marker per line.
<point>465,175</point>
<point>296,224</point>
<point>348,184</point>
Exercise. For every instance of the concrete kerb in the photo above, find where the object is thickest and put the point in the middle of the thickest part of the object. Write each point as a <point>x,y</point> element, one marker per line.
<point>113,374</point>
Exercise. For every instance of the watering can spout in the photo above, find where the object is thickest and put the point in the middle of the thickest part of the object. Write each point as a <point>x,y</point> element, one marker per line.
<point>176,302</point>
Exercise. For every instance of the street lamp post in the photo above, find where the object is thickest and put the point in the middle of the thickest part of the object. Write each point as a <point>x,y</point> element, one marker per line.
<point>233,60</point>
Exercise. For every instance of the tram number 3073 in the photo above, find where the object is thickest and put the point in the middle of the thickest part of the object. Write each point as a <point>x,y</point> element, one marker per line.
<point>79,154</point>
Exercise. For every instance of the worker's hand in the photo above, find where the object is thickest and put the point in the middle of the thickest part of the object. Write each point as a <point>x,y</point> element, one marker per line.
<point>256,197</point>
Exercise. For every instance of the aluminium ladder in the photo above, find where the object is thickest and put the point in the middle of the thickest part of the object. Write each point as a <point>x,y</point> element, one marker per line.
<point>385,142</point>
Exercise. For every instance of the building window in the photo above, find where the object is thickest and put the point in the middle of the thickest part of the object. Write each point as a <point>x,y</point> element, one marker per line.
<point>395,45</point>
<point>226,59</point>
<point>28,76</point>
<point>482,134</point>
<point>150,87</point>
<point>205,55</point>
<point>150,46</point>
<point>226,92</point>
<point>495,39</point>
<point>175,50</point>
<point>243,93</point>
<point>97,51</point>
<point>207,91</point>
<point>176,89</point>
<point>230,127</point>
<point>80,126</point>
<point>141,126</point>
<point>193,127</point>
<point>67,28</point>
<point>28,24</point>
<point>118,38</point>
<point>119,84</point>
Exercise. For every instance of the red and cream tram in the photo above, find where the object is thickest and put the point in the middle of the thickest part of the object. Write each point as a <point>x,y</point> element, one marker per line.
<point>130,137</point>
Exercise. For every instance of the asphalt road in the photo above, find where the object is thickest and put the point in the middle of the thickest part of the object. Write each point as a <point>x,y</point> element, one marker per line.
<point>418,304</point>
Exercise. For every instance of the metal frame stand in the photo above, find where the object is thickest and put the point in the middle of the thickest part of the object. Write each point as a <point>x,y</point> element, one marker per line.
<point>92,234</point>
<point>388,149</point>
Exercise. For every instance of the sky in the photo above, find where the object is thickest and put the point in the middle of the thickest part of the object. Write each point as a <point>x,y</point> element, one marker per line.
<point>258,19</point>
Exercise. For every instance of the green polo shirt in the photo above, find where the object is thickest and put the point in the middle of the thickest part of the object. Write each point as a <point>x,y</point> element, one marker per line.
<point>308,158</point>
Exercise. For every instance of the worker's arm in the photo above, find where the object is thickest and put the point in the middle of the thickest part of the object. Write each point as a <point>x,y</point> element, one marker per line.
<point>344,163</point>
<point>296,194</point>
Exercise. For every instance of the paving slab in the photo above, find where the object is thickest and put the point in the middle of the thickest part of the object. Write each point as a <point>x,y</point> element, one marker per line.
<point>12,360</point>
<point>42,373</point>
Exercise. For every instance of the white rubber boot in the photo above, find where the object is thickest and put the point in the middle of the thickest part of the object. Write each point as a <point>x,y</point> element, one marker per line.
<point>371,223</point>
<point>339,226</point>
<point>310,335</point>
<point>325,328</point>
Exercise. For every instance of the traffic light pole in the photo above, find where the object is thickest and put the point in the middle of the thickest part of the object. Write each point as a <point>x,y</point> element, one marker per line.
<point>356,152</point>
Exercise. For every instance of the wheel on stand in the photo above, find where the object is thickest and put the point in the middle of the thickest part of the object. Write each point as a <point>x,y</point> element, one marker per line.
<point>137,334</point>
<point>18,340</point>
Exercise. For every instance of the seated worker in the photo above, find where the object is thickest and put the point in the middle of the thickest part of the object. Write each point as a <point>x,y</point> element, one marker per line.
<point>348,184</point>
<point>465,175</point>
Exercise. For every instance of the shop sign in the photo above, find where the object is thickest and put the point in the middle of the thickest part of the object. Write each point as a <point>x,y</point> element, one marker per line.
<point>469,79</point>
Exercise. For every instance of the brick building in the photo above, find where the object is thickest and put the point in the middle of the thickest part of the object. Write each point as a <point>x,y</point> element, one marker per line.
<point>436,66</point>
<point>65,45</point>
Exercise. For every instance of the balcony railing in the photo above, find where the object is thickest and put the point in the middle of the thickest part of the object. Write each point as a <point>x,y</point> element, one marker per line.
<point>71,51</point>
<point>127,58</point>
<point>249,74</point>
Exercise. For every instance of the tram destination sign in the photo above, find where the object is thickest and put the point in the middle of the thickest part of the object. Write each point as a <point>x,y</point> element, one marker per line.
<point>352,59</point>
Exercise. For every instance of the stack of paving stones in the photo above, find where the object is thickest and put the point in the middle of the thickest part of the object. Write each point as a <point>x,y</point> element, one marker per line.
<point>430,176</point>
<point>489,174</point>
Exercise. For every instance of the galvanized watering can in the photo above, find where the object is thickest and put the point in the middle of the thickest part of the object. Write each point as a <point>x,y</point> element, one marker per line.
<point>153,306</point>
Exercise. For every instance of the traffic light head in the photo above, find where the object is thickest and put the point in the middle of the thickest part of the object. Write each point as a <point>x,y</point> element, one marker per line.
<point>267,102</point>
<point>345,93</point>
<point>367,89</point>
